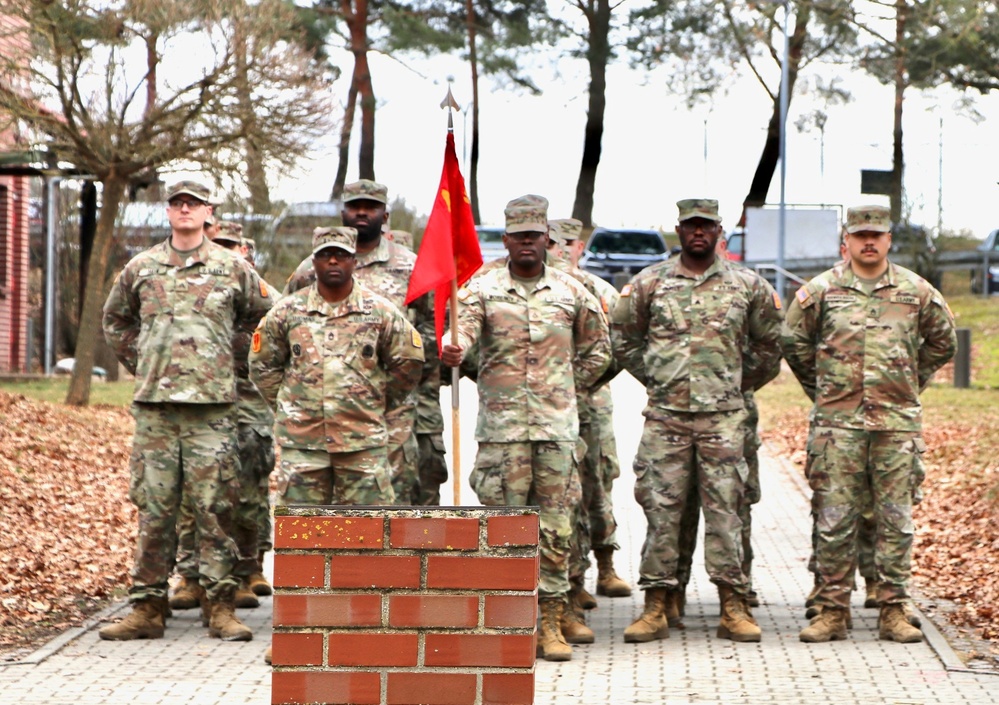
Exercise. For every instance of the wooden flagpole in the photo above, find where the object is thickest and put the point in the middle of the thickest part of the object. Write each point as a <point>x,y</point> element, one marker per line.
<point>451,104</point>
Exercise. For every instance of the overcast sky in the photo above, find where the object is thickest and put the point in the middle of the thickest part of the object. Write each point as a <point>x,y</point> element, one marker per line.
<point>654,146</point>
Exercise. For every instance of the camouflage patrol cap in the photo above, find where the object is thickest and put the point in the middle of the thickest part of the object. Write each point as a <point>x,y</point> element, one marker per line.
<point>229,232</point>
<point>527,214</point>
<point>565,229</point>
<point>251,246</point>
<point>402,237</point>
<point>706,208</point>
<point>191,188</point>
<point>365,190</point>
<point>874,218</point>
<point>341,236</point>
<point>210,221</point>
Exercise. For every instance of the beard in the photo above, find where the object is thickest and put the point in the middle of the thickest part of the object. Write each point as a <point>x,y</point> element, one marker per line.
<point>369,233</point>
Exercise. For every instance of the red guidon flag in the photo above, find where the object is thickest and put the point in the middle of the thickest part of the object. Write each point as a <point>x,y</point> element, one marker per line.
<point>450,246</point>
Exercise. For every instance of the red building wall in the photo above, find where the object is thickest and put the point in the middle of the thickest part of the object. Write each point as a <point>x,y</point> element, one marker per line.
<point>13,273</point>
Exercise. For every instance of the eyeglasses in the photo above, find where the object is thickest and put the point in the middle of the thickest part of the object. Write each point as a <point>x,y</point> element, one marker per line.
<point>332,253</point>
<point>191,203</point>
<point>521,237</point>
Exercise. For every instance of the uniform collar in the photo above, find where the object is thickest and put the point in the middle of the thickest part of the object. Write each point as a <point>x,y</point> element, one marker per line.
<point>381,253</point>
<point>164,253</point>
<point>510,284</point>
<point>679,270</point>
<point>354,303</point>
<point>848,278</point>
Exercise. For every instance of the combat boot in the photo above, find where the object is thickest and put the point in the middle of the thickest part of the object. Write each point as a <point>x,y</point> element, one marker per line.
<point>672,608</point>
<point>188,594</point>
<point>811,609</point>
<point>258,583</point>
<point>830,624</point>
<point>144,622</point>
<point>552,645</point>
<point>580,596</point>
<point>608,582</point>
<point>737,621</point>
<point>893,625</point>
<point>871,592</point>
<point>752,599</point>
<point>911,616</point>
<point>225,625</point>
<point>574,627</point>
<point>245,597</point>
<point>652,624</point>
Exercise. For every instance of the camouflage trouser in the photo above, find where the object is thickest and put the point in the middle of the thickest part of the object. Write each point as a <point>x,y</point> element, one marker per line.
<point>691,513</point>
<point>252,519</point>
<point>848,469</point>
<point>683,449</point>
<point>433,468</point>
<point>318,477</point>
<point>403,455</point>
<point>184,450</point>
<point>595,526</point>
<point>538,473</point>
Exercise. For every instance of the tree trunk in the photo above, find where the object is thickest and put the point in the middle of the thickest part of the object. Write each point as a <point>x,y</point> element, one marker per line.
<point>365,91</point>
<point>770,156</point>
<point>473,165</point>
<point>897,158</point>
<point>343,159</point>
<point>93,302</point>
<point>597,56</point>
<point>256,174</point>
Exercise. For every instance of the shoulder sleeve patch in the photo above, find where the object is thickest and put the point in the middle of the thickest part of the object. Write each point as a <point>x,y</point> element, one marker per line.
<point>416,339</point>
<point>777,303</point>
<point>263,288</point>
<point>626,291</point>
<point>256,341</point>
<point>604,305</point>
<point>804,297</point>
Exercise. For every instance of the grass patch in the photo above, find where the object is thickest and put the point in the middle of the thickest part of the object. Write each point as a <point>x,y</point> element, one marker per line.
<point>53,390</point>
<point>981,315</point>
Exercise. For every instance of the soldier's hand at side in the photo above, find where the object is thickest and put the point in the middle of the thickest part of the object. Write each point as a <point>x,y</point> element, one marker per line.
<point>451,355</point>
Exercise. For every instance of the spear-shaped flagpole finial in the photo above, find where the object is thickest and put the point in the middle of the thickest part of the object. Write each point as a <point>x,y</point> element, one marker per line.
<point>451,104</point>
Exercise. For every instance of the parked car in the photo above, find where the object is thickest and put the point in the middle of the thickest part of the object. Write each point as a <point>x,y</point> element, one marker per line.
<point>491,241</point>
<point>989,249</point>
<point>622,251</point>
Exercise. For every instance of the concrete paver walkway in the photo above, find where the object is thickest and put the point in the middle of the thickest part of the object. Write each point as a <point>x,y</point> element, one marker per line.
<point>692,666</point>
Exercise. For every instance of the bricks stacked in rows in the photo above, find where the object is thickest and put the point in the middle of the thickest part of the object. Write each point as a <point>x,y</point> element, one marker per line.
<point>399,606</point>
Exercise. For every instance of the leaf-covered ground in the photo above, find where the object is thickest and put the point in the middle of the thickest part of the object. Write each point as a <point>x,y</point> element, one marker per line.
<point>67,529</point>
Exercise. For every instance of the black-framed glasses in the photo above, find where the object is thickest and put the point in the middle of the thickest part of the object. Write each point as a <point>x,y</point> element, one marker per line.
<point>333,253</point>
<point>191,203</point>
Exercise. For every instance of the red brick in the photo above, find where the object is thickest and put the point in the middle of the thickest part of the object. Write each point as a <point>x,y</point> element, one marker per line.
<point>328,610</point>
<point>431,688</point>
<point>328,532</point>
<point>507,689</point>
<point>520,530</point>
<point>439,534</point>
<point>433,611</point>
<point>511,611</point>
<point>480,573</point>
<point>359,688</point>
<point>501,650</point>
<point>374,571</point>
<point>297,649</point>
<point>294,571</point>
<point>367,649</point>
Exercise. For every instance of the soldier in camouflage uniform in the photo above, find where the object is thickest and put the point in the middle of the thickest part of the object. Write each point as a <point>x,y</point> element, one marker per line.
<point>385,267</point>
<point>864,338</point>
<point>540,337</point>
<point>697,332</point>
<point>175,318</point>
<point>334,360</point>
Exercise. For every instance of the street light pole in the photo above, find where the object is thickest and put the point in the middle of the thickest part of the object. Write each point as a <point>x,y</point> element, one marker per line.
<point>782,222</point>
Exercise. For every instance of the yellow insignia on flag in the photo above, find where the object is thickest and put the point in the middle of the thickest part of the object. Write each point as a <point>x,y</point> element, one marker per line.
<point>256,341</point>
<point>626,291</point>
<point>417,340</point>
<point>463,294</point>
<point>777,304</point>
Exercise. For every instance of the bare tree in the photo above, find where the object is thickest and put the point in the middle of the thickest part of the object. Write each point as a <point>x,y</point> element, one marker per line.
<point>93,62</point>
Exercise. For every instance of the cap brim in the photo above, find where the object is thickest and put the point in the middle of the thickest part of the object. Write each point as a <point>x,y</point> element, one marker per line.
<point>351,199</point>
<point>851,229</point>
<point>527,228</point>
<point>329,246</point>
<point>705,216</point>
<point>189,193</point>
<point>227,238</point>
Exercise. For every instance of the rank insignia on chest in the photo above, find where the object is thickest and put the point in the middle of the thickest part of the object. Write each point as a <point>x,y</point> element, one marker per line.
<point>416,339</point>
<point>626,291</point>
<point>296,350</point>
<point>256,341</point>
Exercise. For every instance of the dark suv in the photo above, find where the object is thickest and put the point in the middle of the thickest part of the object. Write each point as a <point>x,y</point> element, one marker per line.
<point>622,251</point>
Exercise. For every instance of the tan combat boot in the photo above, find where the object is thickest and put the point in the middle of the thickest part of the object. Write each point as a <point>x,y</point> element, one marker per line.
<point>672,608</point>
<point>608,582</point>
<point>830,624</point>
<point>552,646</point>
<point>893,625</point>
<point>581,596</point>
<point>245,597</point>
<point>225,625</point>
<point>871,593</point>
<point>737,621</point>
<point>188,594</point>
<point>144,622</point>
<point>258,583</point>
<point>652,624</point>
<point>574,627</point>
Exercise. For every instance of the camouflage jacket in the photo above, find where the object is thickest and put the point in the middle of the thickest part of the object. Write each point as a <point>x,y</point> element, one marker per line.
<point>533,353</point>
<point>181,327</point>
<point>864,358</point>
<point>386,270</point>
<point>698,341</point>
<point>333,372</point>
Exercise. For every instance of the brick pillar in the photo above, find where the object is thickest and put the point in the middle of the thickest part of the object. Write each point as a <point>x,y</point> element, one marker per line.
<point>405,606</point>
